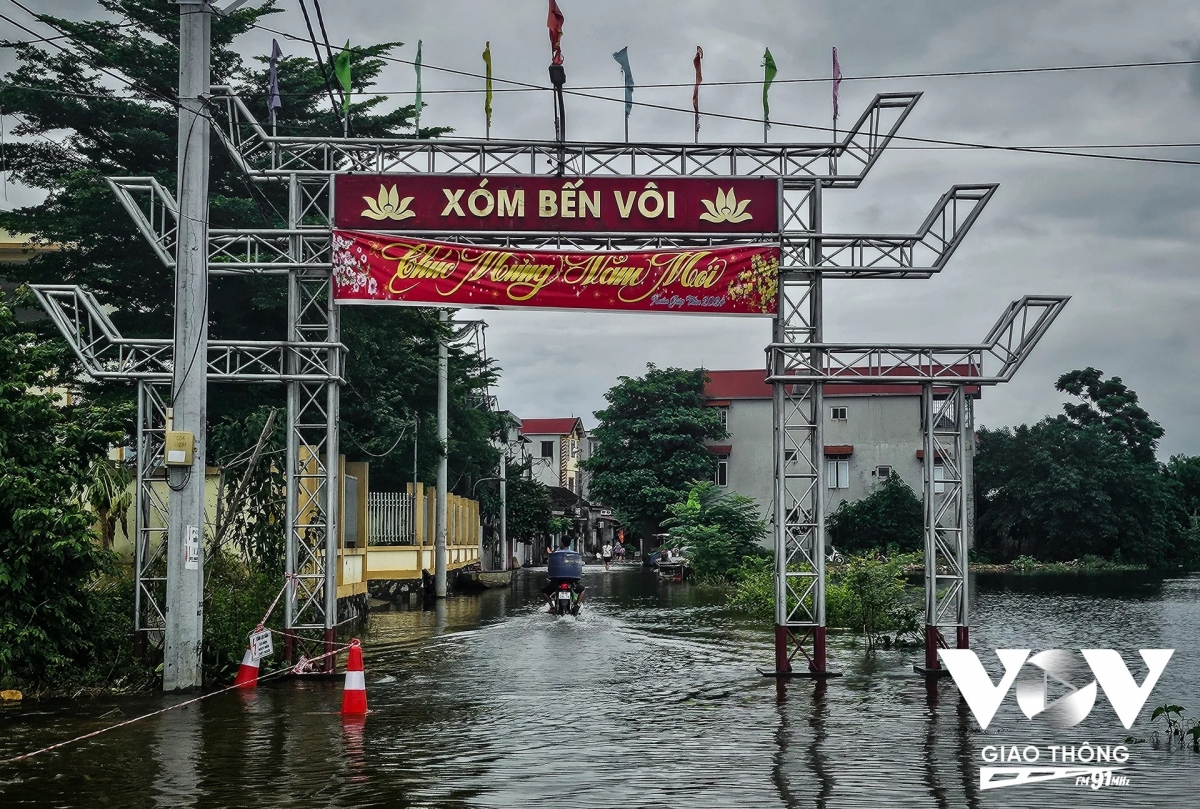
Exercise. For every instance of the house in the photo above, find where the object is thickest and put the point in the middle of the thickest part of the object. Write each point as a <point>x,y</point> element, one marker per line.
<point>556,447</point>
<point>872,432</point>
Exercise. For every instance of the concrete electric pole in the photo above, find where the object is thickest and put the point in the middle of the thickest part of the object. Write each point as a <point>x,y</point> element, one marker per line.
<point>186,420</point>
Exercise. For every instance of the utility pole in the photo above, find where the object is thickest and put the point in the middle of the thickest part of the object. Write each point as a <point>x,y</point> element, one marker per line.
<point>185,534</point>
<point>439,547</point>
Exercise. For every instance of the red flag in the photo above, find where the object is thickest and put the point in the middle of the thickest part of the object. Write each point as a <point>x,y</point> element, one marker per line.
<point>696,89</point>
<point>837,83</point>
<point>554,21</point>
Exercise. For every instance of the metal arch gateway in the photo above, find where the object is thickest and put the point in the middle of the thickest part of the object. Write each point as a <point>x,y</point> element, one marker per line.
<point>799,363</point>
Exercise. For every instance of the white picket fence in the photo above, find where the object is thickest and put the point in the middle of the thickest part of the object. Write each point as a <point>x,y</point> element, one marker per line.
<point>391,518</point>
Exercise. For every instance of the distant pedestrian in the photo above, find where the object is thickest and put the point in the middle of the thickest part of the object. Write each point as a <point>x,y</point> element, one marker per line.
<point>619,552</point>
<point>606,553</point>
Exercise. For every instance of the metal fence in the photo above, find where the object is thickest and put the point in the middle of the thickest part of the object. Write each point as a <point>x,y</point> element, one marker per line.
<point>391,517</point>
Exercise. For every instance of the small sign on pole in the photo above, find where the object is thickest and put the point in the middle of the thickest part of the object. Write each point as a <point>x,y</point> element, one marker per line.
<point>260,643</point>
<point>191,548</point>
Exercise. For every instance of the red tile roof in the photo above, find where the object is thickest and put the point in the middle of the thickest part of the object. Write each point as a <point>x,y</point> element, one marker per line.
<point>550,426</point>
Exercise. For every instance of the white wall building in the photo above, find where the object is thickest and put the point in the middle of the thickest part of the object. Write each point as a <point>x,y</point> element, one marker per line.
<point>872,431</point>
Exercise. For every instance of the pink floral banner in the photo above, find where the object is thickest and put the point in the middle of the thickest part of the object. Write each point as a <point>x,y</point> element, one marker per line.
<point>373,268</point>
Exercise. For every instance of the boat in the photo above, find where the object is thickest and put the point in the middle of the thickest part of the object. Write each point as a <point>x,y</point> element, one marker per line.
<point>484,579</point>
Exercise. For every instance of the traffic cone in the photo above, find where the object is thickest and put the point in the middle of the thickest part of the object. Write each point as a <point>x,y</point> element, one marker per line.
<point>247,676</point>
<point>354,693</point>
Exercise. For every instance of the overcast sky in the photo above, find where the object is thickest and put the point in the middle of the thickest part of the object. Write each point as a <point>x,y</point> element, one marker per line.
<point>1119,237</point>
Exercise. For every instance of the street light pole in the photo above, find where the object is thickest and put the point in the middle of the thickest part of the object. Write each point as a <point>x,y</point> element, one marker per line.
<point>184,625</point>
<point>504,511</point>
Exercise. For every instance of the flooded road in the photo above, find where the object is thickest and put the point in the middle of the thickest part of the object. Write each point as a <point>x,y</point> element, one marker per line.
<point>650,698</point>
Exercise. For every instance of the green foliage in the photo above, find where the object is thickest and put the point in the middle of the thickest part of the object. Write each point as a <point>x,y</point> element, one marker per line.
<point>49,558</point>
<point>890,518</point>
<point>651,444</point>
<point>252,498</point>
<point>754,587</point>
<point>718,529</point>
<point>529,517</point>
<point>235,599</point>
<point>1178,730</point>
<point>1084,483</point>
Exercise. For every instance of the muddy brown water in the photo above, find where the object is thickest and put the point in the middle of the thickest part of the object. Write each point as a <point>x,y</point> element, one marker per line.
<point>649,699</point>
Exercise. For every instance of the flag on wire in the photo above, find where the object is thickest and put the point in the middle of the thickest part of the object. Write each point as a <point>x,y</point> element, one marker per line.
<point>622,57</point>
<point>696,88</point>
<point>417,103</point>
<point>837,83</point>
<point>487,95</point>
<point>341,69</point>
<point>554,21</point>
<point>273,102</point>
<point>769,71</point>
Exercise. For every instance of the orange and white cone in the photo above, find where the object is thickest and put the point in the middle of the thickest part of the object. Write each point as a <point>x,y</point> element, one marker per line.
<point>354,693</point>
<point>247,676</point>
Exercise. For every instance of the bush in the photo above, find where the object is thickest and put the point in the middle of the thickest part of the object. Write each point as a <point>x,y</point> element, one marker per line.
<point>891,518</point>
<point>236,598</point>
<point>719,531</point>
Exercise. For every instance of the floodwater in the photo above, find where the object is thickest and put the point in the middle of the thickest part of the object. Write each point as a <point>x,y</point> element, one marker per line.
<point>649,698</point>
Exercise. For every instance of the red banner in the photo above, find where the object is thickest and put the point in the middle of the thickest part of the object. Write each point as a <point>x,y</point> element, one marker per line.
<point>374,268</point>
<point>503,203</point>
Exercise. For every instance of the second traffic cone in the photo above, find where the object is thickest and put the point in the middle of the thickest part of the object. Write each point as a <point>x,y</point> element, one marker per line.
<point>247,676</point>
<point>354,693</point>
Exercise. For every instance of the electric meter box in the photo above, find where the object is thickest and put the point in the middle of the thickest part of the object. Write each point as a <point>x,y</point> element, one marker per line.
<point>179,448</point>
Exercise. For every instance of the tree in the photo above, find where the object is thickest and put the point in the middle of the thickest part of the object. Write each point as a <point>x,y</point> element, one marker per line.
<point>1109,404</point>
<point>49,556</point>
<point>529,516</point>
<point>1084,483</point>
<point>80,124</point>
<point>651,444</point>
<point>889,517</point>
<point>720,530</point>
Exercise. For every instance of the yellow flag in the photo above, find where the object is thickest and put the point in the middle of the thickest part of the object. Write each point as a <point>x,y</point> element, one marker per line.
<point>487,98</point>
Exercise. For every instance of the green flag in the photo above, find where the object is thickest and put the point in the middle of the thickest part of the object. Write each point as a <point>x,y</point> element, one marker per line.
<point>769,71</point>
<point>341,69</point>
<point>487,97</point>
<point>417,67</point>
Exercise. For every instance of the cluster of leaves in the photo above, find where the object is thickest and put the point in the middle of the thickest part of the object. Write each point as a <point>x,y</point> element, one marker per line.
<point>890,519</point>
<point>865,594</point>
<point>651,444</point>
<point>1178,730</point>
<point>528,516</point>
<point>236,597</point>
<point>1086,483</point>
<point>718,530</point>
<point>50,563</point>
<point>252,491</point>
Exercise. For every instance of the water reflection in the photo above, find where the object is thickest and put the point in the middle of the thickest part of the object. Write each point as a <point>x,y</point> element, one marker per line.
<point>648,698</point>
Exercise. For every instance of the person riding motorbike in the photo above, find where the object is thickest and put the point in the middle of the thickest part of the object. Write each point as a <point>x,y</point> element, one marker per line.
<point>553,585</point>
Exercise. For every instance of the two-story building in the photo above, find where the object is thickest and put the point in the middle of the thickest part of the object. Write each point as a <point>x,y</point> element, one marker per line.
<point>872,432</point>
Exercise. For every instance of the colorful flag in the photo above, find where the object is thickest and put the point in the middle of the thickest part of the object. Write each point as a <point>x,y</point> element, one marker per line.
<point>487,97</point>
<point>696,88</point>
<point>769,71</point>
<point>273,102</point>
<point>417,104</point>
<point>837,83</point>
<point>622,57</point>
<point>341,69</point>
<point>554,21</point>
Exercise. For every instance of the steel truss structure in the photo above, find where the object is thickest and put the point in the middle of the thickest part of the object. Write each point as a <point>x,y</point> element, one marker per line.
<point>799,362</point>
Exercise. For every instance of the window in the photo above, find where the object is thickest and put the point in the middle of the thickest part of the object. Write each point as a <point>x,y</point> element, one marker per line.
<point>938,486</point>
<point>547,449</point>
<point>882,472</point>
<point>789,457</point>
<point>721,478</point>
<point>723,414</point>
<point>837,413</point>
<point>838,474</point>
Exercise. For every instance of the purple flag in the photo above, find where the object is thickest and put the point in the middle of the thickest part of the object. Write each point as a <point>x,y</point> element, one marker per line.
<point>273,102</point>
<point>837,83</point>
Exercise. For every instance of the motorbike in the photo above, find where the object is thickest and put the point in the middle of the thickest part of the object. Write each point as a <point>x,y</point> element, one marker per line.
<point>564,600</point>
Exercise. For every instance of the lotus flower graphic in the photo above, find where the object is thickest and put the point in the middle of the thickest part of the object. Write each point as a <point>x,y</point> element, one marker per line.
<point>726,209</point>
<point>388,206</point>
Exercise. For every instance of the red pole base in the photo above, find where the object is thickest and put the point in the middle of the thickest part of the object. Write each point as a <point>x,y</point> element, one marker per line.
<point>963,639</point>
<point>818,656</point>
<point>783,655</point>
<point>931,647</point>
